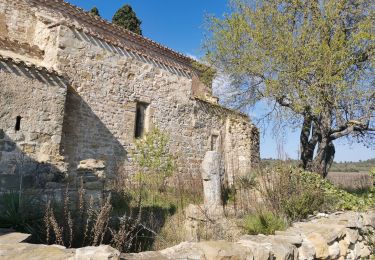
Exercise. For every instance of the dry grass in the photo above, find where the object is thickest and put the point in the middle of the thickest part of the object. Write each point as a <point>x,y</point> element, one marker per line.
<point>72,227</point>
<point>351,181</point>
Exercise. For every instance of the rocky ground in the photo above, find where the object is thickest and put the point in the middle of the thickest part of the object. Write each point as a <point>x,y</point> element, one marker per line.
<point>342,235</point>
<point>12,248</point>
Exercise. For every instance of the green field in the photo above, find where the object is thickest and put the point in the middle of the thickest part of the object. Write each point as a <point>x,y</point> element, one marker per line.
<point>361,166</point>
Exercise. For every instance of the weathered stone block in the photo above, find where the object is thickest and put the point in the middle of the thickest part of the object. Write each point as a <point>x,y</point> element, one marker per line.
<point>97,253</point>
<point>96,185</point>
<point>211,179</point>
<point>343,247</point>
<point>320,245</point>
<point>306,251</point>
<point>91,164</point>
<point>334,250</point>
<point>351,235</point>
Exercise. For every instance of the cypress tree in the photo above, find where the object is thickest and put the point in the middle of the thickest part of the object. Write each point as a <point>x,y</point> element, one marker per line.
<point>95,11</point>
<point>126,18</point>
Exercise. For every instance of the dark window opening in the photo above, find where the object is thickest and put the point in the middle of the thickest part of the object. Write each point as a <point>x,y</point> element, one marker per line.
<point>140,119</point>
<point>214,142</point>
<point>18,123</point>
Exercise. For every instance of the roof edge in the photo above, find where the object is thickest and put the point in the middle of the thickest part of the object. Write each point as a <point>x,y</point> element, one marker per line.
<point>30,65</point>
<point>81,14</point>
<point>229,110</point>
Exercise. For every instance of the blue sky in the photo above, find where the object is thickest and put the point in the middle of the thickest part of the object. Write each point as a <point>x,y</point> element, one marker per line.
<point>179,24</point>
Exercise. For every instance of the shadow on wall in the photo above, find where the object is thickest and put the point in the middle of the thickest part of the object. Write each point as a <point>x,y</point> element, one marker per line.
<point>85,137</point>
<point>20,171</point>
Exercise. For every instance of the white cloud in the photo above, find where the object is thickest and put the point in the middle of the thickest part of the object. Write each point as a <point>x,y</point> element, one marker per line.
<point>192,56</point>
<point>222,87</point>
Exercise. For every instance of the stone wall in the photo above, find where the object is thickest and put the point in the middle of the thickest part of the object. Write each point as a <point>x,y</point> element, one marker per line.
<point>101,110</point>
<point>101,105</point>
<point>23,24</point>
<point>237,139</point>
<point>109,73</point>
<point>31,117</point>
<point>341,235</point>
<point>12,247</point>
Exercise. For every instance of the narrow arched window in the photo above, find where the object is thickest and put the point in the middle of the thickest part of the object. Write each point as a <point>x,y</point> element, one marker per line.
<point>140,119</point>
<point>18,123</point>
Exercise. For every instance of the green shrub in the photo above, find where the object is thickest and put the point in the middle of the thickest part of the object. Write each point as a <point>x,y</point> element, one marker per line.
<point>23,214</point>
<point>154,161</point>
<point>263,223</point>
<point>299,206</point>
<point>336,198</point>
<point>372,172</point>
<point>286,193</point>
<point>295,193</point>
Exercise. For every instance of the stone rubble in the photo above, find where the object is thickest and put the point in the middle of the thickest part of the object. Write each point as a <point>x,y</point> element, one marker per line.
<point>341,235</point>
<point>12,248</point>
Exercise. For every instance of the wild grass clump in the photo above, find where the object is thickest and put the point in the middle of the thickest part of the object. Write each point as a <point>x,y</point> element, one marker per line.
<point>285,192</point>
<point>172,233</point>
<point>84,224</point>
<point>22,215</point>
<point>263,223</point>
<point>93,221</point>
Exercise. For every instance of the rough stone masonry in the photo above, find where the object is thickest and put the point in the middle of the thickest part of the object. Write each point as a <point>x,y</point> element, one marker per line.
<point>76,90</point>
<point>341,235</point>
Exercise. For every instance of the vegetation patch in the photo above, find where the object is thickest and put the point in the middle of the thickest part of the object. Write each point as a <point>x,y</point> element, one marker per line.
<point>263,223</point>
<point>271,198</point>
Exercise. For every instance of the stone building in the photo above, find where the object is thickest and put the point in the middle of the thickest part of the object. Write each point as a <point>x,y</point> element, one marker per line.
<point>75,88</point>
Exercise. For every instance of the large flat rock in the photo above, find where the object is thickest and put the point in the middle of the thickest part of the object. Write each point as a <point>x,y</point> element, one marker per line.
<point>25,251</point>
<point>13,238</point>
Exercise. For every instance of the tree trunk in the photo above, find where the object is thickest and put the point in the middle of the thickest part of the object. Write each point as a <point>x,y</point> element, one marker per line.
<point>308,140</point>
<point>326,150</point>
<point>324,157</point>
<point>307,154</point>
<point>307,150</point>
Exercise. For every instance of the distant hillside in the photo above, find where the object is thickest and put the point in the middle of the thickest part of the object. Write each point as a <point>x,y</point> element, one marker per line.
<point>361,166</point>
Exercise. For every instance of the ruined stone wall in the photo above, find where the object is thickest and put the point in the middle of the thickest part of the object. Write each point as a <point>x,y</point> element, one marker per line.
<point>241,148</point>
<point>340,235</point>
<point>16,24</point>
<point>237,139</point>
<point>32,147</point>
<point>23,24</point>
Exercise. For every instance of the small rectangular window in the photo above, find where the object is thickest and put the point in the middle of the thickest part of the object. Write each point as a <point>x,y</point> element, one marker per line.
<point>140,119</point>
<point>18,123</point>
<point>214,144</point>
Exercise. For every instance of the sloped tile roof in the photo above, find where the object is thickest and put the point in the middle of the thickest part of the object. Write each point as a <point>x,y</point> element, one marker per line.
<point>115,34</point>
